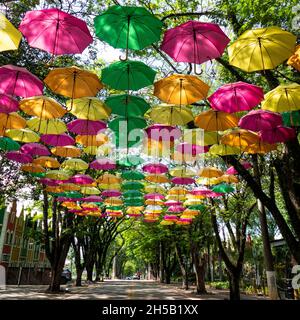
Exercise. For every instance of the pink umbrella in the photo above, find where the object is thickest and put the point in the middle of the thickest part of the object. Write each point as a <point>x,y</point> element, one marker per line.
<point>200,191</point>
<point>178,180</point>
<point>155,168</point>
<point>103,164</point>
<point>246,165</point>
<point>92,199</point>
<point>195,42</point>
<point>170,217</point>
<point>161,132</point>
<point>134,215</point>
<point>90,209</point>
<point>19,157</point>
<point>17,81</point>
<point>176,209</point>
<point>235,97</point>
<point>35,149</point>
<point>57,140</point>
<point>55,31</point>
<point>278,134</point>
<point>81,179</point>
<point>86,127</point>
<point>51,182</point>
<point>257,120</point>
<point>186,219</point>
<point>154,196</point>
<point>172,203</point>
<point>111,193</point>
<point>8,103</point>
<point>192,149</point>
<point>62,199</point>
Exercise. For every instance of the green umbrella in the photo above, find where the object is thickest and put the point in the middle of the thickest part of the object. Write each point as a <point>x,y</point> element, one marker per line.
<point>132,175</point>
<point>127,105</point>
<point>223,188</point>
<point>132,185</point>
<point>71,194</point>
<point>130,160</point>
<point>128,27</point>
<point>120,123</point>
<point>291,119</point>
<point>7,144</point>
<point>114,207</point>
<point>136,202</point>
<point>128,75</point>
<point>121,143</point>
<point>38,174</point>
<point>132,194</point>
<point>200,207</point>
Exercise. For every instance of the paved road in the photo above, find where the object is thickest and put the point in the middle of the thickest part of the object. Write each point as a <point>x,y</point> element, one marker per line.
<point>110,289</point>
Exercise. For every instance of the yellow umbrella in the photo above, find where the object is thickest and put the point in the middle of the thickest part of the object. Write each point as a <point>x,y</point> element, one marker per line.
<point>90,108</point>
<point>66,152</point>
<point>213,120</point>
<point>23,135</point>
<point>157,178</point>
<point>108,178</point>
<point>260,148</point>
<point>191,212</point>
<point>92,140</point>
<point>134,210</point>
<point>182,158</point>
<point>70,205</point>
<point>154,202</point>
<point>69,187</point>
<point>261,49</point>
<point>200,137</point>
<point>10,37</point>
<point>156,148</point>
<point>180,89</point>
<point>90,190</point>
<point>167,222</point>
<point>73,82</point>
<point>176,197</point>
<point>89,205</point>
<point>191,202</point>
<point>33,168</point>
<point>54,189</point>
<point>51,126</point>
<point>42,107</point>
<point>284,98</point>
<point>103,150</point>
<point>210,172</point>
<point>154,188</point>
<point>171,114</point>
<point>195,196</point>
<point>11,121</point>
<point>113,201</point>
<point>229,178</point>
<point>208,181</point>
<point>107,186</point>
<point>223,150</point>
<point>74,164</point>
<point>182,172</point>
<point>240,138</point>
<point>47,162</point>
<point>177,191</point>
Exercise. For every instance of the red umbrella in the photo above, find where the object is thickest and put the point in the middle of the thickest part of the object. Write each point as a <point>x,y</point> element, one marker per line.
<point>178,180</point>
<point>155,168</point>
<point>19,157</point>
<point>81,179</point>
<point>55,31</point>
<point>86,127</point>
<point>57,140</point>
<point>278,134</point>
<point>17,81</point>
<point>8,104</point>
<point>35,149</point>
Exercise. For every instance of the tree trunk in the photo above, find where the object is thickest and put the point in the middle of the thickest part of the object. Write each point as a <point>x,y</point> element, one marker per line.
<point>183,269</point>
<point>199,264</point>
<point>161,263</point>
<point>234,284</point>
<point>79,271</point>
<point>89,271</point>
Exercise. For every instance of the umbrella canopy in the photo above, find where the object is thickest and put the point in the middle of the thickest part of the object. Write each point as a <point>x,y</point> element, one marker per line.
<point>127,105</point>
<point>210,172</point>
<point>177,191</point>
<point>81,179</point>
<point>180,89</point>
<point>130,123</point>
<point>182,172</point>
<point>155,168</point>
<point>7,144</point>
<point>17,81</point>
<point>154,196</point>
<point>58,175</point>
<point>200,138</point>
<point>32,168</point>
<point>90,108</point>
<point>107,178</point>
<point>132,175</point>
<point>213,120</point>
<point>154,188</point>
<point>55,31</point>
<point>240,138</point>
<point>23,135</point>
<point>59,140</point>
<point>86,127</point>
<point>260,148</point>
<point>8,103</point>
<point>184,181</point>
<point>128,27</point>
<point>195,42</point>
<point>278,134</point>
<point>294,60</point>
<point>223,150</point>
<point>161,132</point>
<point>128,75</point>
<point>10,37</point>
<point>171,114</point>
<point>235,97</point>
<point>11,121</point>
<point>90,190</point>
<point>66,152</point>
<point>47,162</point>
<point>132,194</point>
<point>130,160</point>
<point>231,170</point>
<point>73,82</point>
<point>92,140</point>
<point>74,164</point>
<point>191,149</point>
<point>42,107</point>
<point>132,185</point>
<point>291,119</point>
<point>111,193</point>
<point>51,126</point>
<point>257,120</point>
<point>19,156</point>
<point>223,188</point>
<point>283,98</point>
<point>261,49</point>
<point>228,178</point>
<point>103,164</point>
<point>157,178</point>
<point>35,149</point>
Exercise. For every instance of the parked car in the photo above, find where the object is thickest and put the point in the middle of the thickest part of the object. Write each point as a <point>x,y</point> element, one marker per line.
<point>66,276</point>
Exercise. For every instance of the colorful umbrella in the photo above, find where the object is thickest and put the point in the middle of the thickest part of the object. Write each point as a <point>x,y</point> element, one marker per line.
<point>294,60</point>
<point>74,164</point>
<point>32,168</point>
<point>8,103</point>
<point>154,196</point>
<point>151,188</point>
<point>17,81</point>
<point>86,127</point>
<point>161,132</point>
<point>10,37</point>
<point>200,137</point>
<point>191,149</point>
<point>132,185</point>
<point>261,49</point>
<point>92,199</point>
<point>42,107</point>
<point>278,134</point>
<point>51,126</point>
<point>240,138</point>
<point>81,179</point>
<point>120,124</point>
<point>128,75</point>
<point>23,135</point>
<point>291,119</point>
<point>11,121</point>
<point>171,114</point>
<point>223,188</point>
<point>210,172</point>
<point>59,140</point>
<point>184,181</point>
<point>260,148</point>
<point>182,172</point>
<point>18,156</point>
<point>92,140</point>
<point>7,144</point>
<point>157,178</point>
<point>66,152</point>
<point>180,89</point>
<point>103,164</point>
<point>107,178</point>
<point>223,150</point>
<point>47,162</point>
<point>195,42</point>
<point>155,168</point>
<point>130,160</point>
<point>235,97</point>
<point>35,149</point>
<point>132,194</point>
<point>231,170</point>
<point>73,82</point>
<point>55,31</point>
<point>132,175</point>
<point>111,193</point>
<point>177,191</point>
<point>228,178</point>
<point>90,190</point>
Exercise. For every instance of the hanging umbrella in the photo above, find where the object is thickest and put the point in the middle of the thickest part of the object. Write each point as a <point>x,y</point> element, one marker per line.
<point>10,37</point>
<point>86,127</point>
<point>55,31</point>
<point>231,170</point>
<point>35,149</point>
<point>161,132</point>
<point>223,150</point>
<point>81,179</point>
<point>32,168</point>
<point>119,124</point>
<point>59,140</point>
<point>18,156</point>
<point>108,179</point>
<point>154,196</point>
<point>228,178</point>
<point>92,199</point>
<point>191,149</point>
<point>51,126</point>
<point>283,98</point>
<point>42,107</point>
<point>235,97</point>
<point>23,135</point>
<point>132,185</point>
<point>200,138</point>
<point>177,191</point>
<point>183,181</point>
<point>171,114</point>
<point>278,134</point>
<point>73,82</point>
<point>74,164</point>
<point>50,182</point>
<point>210,172</point>
<point>93,150</point>
<point>291,119</point>
<point>7,144</point>
<point>11,121</point>
<point>47,162</point>
<point>157,178</point>
<point>182,172</point>
<point>155,168</point>
<point>132,175</point>
<point>107,186</point>
<point>90,190</point>
<point>130,160</point>
<point>195,42</point>
<point>90,108</point>
<point>69,187</point>
<point>17,81</point>
<point>294,60</point>
<point>111,193</point>
<point>92,140</point>
<point>180,89</point>
<point>126,105</point>
<point>66,152</point>
<point>240,138</point>
<point>103,164</point>
<point>261,49</point>
<point>212,120</point>
<point>151,188</point>
<point>132,194</point>
<point>8,103</point>
<point>128,75</point>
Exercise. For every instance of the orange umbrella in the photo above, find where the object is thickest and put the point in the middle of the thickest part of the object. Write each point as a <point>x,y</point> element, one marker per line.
<point>260,148</point>
<point>66,151</point>
<point>11,121</point>
<point>240,138</point>
<point>108,178</point>
<point>32,168</point>
<point>69,187</point>
<point>210,172</point>
<point>47,162</point>
<point>92,140</point>
<point>157,178</point>
<point>229,178</point>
